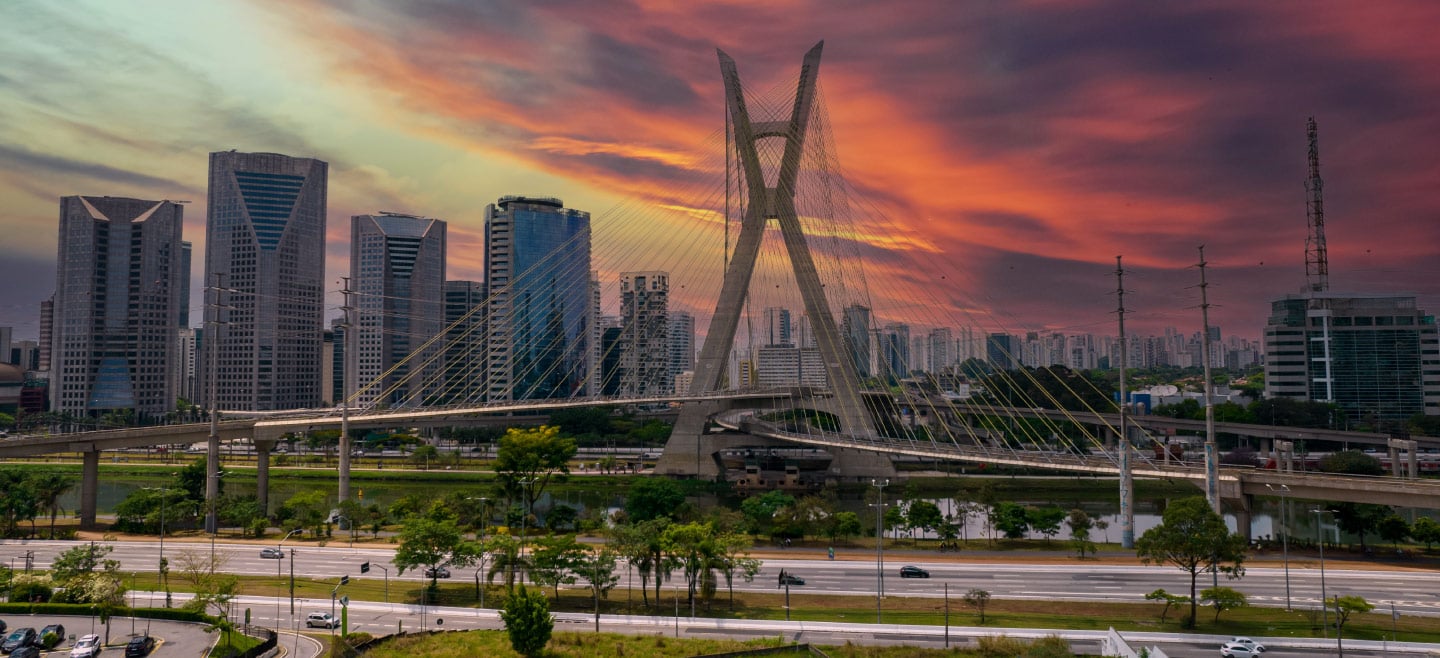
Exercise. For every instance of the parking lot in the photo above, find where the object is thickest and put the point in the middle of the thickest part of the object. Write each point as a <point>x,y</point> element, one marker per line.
<point>172,638</point>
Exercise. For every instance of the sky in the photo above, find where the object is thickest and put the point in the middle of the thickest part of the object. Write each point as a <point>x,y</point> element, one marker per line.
<point>1023,145</point>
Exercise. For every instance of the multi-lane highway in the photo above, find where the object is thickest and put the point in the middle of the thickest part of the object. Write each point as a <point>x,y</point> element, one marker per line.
<point>1412,591</point>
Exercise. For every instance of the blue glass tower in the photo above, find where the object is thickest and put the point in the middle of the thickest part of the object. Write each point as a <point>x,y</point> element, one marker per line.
<point>540,316</point>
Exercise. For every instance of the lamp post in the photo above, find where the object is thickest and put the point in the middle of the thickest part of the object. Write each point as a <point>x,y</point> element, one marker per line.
<point>281,546</point>
<point>387,581</point>
<point>1324,604</point>
<point>525,518</point>
<point>1284,490</point>
<point>164,566</point>
<point>879,544</point>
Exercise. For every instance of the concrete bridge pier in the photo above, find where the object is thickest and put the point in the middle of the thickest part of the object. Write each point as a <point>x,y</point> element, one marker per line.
<point>1242,516</point>
<point>89,487</point>
<point>262,474</point>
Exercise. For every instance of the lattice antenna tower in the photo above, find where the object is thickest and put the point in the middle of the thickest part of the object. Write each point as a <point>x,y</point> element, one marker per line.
<point>1317,262</point>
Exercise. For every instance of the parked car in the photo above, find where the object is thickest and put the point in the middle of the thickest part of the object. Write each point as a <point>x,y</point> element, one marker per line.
<point>1251,644</point>
<point>1236,650</point>
<point>321,620</point>
<point>272,553</point>
<point>790,579</point>
<point>20,637</point>
<point>140,647</point>
<point>87,647</point>
<point>437,572</point>
<point>2,627</point>
<point>31,651</point>
<point>54,631</point>
<point>909,571</point>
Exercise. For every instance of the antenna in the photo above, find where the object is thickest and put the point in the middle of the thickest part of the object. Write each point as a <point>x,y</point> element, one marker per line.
<point>1317,262</point>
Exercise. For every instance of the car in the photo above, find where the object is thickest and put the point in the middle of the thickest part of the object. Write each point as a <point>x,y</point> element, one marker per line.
<point>139,647</point>
<point>56,632</point>
<point>1249,643</point>
<point>790,579</point>
<point>1236,650</point>
<point>20,637</point>
<point>31,651</point>
<point>87,647</point>
<point>321,620</point>
<point>437,572</point>
<point>909,571</point>
<point>272,553</point>
<point>2,627</point>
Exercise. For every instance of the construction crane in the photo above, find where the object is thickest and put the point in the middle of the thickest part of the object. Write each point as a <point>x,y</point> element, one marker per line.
<point>1317,262</point>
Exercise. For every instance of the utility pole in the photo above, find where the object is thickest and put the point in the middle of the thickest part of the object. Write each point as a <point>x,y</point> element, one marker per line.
<point>212,447</point>
<point>349,325</point>
<point>1212,458</point>
<point>1127,481</point>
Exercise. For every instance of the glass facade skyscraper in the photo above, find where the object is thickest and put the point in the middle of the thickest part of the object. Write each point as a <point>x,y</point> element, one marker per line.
<point>465,362</point>
<point>117,303</point>
<point>541,313</point>
<point>1376,356</point>
<point>265,245</point>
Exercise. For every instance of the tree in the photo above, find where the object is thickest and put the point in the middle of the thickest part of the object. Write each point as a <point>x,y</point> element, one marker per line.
<point>554,560</point>
<point>598,570</point>
<point>192,478</point>
<point>19,502</point>
<point>1103,526</point>
<point>652,498</point>
<point>1344,607</point>
<point>844,526</point>
<point>1045,520</point>
<point>1394,530</point>
<point>1351,462</point>
<point>640,545</point>
<point>924,515</point>
<point>1010,519</point>
<point>1193,538</point>
<point>423,455</point>
<point>560,517</point>
<point>505,550</point>
<point>760,511</point>
<point>1360,518</point>
<point>49,487</point>
<point>1426,531</point>
<point>1080,524</point>
<point>529,458</point>
<point>528,622</point>
<point>1223,598</point>
<point>433,540</point>
<point>81,561</point>
<point>978,599</point>
<point>307,509</point>
<point>1168,598</point>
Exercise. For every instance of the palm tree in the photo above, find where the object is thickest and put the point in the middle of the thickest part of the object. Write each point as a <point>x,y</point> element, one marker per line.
<point>506,552</point>
<point>48,489</point>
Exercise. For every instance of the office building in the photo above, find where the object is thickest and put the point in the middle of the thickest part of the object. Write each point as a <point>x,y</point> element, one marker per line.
<point>611,330</point>
<point>336,365</point>
<point>47,334</point>
<point>6,334</point>
<point>1002,351</point>
<point>682,347</point>
<point>855,330</point>
<point>186,251</point>
<point>645,334</point>
<point>895,351</point>
<point>1376,356</point>
<point>541,306</point>
<point>265,248</point>
<point>116,306</point>
<point>778,330</point>
<point>940,350</point>
<point>397,273</point>
<point>464,379</point>
<point>184,365</point>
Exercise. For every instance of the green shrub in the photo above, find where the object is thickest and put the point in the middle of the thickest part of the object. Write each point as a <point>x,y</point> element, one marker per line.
<point>528,622</point>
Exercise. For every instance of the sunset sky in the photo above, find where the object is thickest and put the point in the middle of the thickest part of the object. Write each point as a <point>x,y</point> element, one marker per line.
<point>1026,144</point>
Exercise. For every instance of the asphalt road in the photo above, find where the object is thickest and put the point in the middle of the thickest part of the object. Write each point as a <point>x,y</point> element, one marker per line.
<point>1413,592</point>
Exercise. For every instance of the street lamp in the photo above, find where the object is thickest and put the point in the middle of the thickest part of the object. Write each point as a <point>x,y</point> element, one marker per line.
<point>1284,490</point>
<point>1324,600</point>
<point>164,567</point>
<point>525,518</point>
<point>879,506</point>
<point>281,546</point>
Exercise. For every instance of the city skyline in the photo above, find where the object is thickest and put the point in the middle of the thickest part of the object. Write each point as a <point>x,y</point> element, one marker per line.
<point>1032,143</point>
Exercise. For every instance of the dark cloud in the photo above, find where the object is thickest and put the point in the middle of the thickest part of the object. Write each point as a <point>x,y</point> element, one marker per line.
<point>16,158</point>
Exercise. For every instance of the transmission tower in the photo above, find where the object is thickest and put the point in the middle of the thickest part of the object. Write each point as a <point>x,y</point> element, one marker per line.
<point>1317,262</point>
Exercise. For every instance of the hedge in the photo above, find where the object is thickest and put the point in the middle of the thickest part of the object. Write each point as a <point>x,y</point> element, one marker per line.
<point>83,610</point>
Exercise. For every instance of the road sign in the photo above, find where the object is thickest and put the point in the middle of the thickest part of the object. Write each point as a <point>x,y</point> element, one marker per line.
<point>364,567</point>
<point>344,580</point>
<point>345,601</point>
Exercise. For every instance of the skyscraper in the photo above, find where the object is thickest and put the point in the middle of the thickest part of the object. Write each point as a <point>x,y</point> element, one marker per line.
<point>1002,351</point>
<point>895,350</point>
<point>465,352</point>
<point>1375,356</point>
<point>778,328</point>
<point>186,250</point>
<point>940,353</point>
<point>855,329</point>
<point>541,302</point>
<point>116,306</point>
<point>682,347</point>
<point>645,334</point>
<point>265,243</point>
<point>397,272</point>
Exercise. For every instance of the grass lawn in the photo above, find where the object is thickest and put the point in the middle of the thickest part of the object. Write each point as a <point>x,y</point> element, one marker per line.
<point>233,643</point>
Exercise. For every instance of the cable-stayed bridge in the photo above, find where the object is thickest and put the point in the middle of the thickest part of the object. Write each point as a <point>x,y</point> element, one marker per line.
<point>802,237</point>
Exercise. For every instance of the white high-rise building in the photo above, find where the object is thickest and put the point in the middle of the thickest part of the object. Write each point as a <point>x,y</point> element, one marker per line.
<point>940,354</point>
<point>645,334</point>
<point>682,347</point>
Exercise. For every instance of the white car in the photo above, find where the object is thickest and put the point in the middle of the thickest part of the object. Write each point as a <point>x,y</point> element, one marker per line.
<point>1237,650</point>
<point>86,647</point>
<point>1249,643</point>
<point>321,620</point>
